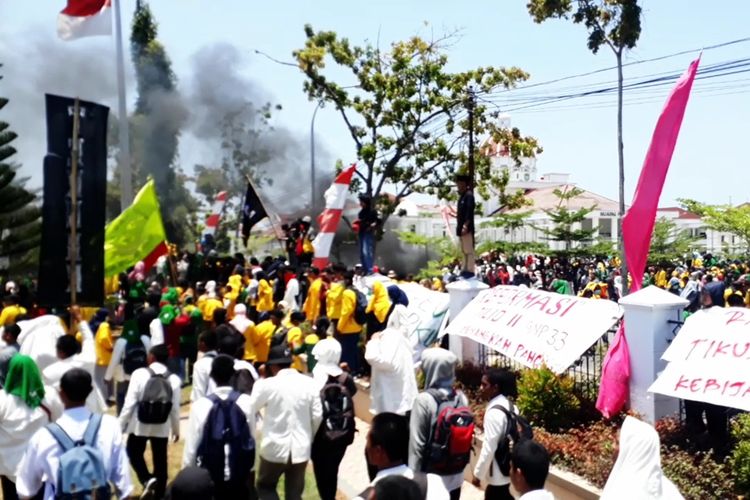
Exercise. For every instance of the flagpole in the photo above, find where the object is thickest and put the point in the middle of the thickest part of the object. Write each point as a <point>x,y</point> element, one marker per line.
<point>126,176</point>
<point>73,248</point>
<point>262,204</point>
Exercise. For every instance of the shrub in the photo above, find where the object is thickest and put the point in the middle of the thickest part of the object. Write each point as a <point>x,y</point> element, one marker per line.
<point>547,399</point>
<point>697,474</point>
<point>739,460</point>
<point>587,451</point>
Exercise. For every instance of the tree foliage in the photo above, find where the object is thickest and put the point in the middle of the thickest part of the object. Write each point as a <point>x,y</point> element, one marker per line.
<point>734,220</point>
<point>407,114</point>
<point>155,129</point>
<point>446,250</point>
<point>566,222</point>
<point>615,23</point>
<point>20,214</point>
<point>669,244</point>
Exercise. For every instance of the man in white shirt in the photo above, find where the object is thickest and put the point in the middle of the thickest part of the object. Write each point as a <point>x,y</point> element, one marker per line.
<point>293,413</point>
<point>387,449</point>
<point>115,370</point>
<point>496,386</point>
<point>68,357</point>
<point>529,466</point>
<point>222,370</point>
<point>156,433</point>
<point>42,458</point>
<point>202,369</point>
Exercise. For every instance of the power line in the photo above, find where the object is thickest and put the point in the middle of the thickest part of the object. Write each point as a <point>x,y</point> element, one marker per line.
<point>633,63</point>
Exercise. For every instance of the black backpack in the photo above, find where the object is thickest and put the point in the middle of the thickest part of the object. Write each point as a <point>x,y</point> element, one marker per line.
<point>360,314</point>
<point>226,427</point>
<point>338,425</point>
<point>279,336</point>
<point>135,356</point>
<point>156,402</point>
<point>517,429</point>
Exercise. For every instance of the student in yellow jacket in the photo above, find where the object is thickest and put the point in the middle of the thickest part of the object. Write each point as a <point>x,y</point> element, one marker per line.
<point>311,308</point>
<point>349,330</point>
<point>333,301</point>
<point>265,294</point>
<point>377,309</point>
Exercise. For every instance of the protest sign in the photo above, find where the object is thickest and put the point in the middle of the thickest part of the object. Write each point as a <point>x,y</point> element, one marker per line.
<point>535,327</point>
<point>709,359</point>
<point>426,313</point>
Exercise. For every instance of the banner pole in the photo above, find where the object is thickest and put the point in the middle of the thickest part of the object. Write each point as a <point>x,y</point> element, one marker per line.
<point>73,248</point>
<point>270,219</point>
<point>126,175</point>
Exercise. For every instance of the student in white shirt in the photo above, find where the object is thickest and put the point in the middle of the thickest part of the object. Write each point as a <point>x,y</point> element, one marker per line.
<point>25,407</point>
<point>387,449</point>
<point>529,466</point>
<point>496,386</point>
<point>293,413</point>
<point>115,370</point>
<point>157,434</point>
<point>222,370</point>
<point>40,463</point>
<point>69,357</point>
<point>207,344</point>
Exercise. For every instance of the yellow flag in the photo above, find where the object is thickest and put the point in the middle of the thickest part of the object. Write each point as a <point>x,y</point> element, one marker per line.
<point>137,234</point>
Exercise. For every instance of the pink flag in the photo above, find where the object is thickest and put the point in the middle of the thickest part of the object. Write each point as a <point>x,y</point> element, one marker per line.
<point>638,223</point>
<point>328,221</point>
<point>637,227</point>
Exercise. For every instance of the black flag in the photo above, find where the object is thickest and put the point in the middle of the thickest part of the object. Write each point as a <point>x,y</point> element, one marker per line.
<point>252,212</point>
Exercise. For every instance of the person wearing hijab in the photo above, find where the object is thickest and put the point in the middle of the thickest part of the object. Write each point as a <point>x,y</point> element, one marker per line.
<point>378,309</point>
<point>439,367</point>
<point>637,472</point>
<point>326,456</point>
<point>311,306</point>
<point>393,384</point>
<point>115,370</point>
<point>265,294</point>
<point>25,407</point>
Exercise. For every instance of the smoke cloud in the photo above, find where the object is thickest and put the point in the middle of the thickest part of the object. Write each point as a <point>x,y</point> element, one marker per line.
<point>214,88</point>
<point>218,89</point>
<point>39,65</point>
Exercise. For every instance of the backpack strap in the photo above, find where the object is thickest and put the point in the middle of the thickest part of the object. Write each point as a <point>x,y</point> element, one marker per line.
<point>233,397</point>
<point>92,429</point>
<point>62,438</point>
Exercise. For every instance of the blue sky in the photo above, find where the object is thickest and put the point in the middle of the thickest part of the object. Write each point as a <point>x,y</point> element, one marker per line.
<point>709,160</point>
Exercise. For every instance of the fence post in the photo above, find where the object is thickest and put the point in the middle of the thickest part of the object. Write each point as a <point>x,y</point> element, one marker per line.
<point>461,293</point>
<point>648,331</point>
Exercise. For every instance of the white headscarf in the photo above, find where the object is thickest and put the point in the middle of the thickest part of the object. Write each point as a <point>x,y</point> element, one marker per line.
<point>398,320</point>
<point>637,472</point>
<point>211,289</point>
<point>327,353</point>
<point>240,320</point>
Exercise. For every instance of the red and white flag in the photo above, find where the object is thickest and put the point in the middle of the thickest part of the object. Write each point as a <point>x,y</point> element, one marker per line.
<point>328,221</point>
<point>83,18</point>
<point>212,221</point>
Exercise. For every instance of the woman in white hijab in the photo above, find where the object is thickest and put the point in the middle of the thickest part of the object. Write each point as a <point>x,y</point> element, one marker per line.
<point>393,384</point>
<point>327,355</point>
<point>637,472</point>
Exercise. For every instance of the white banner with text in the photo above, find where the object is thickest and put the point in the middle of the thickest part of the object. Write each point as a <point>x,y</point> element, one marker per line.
<point>535,327</point>
<point>709,360</point>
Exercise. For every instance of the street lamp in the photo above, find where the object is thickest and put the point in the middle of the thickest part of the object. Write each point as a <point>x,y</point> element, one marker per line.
<point>312,155</point>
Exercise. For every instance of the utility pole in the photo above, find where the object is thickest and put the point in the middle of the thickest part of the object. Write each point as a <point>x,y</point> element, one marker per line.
<point>471,101</point>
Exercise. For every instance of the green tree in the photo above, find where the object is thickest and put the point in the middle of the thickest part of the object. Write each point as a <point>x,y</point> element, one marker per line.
<point>669,244</point>
<point>443,246</point>
<point>20,214</point>
<point>734,220</point>
<point>407,115</point>
<point>155,129</point>
<point>567,223</point>
<point>510,221</point>
<point>616,24</point>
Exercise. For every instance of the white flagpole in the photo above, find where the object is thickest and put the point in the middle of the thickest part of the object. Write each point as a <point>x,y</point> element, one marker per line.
<point>126,176</point>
